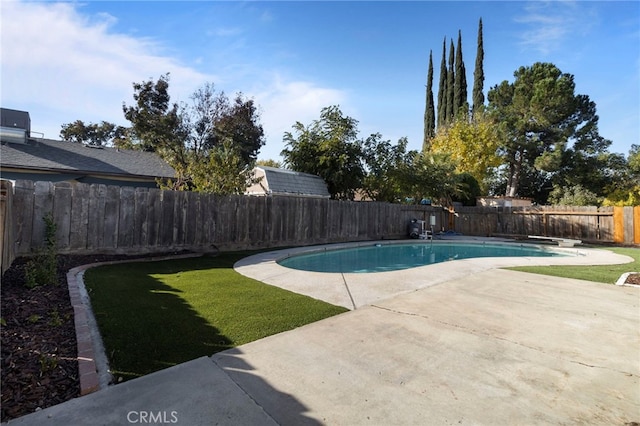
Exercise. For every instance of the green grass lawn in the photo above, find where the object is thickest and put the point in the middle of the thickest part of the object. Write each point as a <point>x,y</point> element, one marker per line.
<point>604,274</point>
<point>153,315</point>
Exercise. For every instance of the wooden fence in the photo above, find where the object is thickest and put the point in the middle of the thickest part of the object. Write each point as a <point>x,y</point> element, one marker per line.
<point>113,219</point>
<point>583,223</point>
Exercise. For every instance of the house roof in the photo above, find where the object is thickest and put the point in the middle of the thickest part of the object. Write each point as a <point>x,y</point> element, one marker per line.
<point>57,156</point>
<point>289,182</point>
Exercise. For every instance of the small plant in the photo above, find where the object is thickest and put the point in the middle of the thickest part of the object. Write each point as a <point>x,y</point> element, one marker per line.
<point>47,363</point>
<point>43,268</point>
<point>34,318</point>
<point>55,319</point>
<point>3,322</point>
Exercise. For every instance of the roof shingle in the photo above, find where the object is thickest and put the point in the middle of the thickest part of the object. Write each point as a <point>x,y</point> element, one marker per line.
<point>50,155</point>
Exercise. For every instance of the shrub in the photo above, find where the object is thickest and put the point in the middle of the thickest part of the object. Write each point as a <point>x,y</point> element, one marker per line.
<point>43,268</point>
<point>573,196</point>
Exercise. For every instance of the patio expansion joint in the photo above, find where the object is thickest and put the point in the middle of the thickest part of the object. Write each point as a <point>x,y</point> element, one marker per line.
<point>226,370</point>
<point>344,280</point>
<point>503,339</point>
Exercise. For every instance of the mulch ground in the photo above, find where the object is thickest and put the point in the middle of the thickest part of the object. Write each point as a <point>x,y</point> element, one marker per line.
<point>633,279</point>
<point>39,366</point>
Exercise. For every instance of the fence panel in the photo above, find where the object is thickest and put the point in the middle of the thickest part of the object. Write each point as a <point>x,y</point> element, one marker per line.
<point>23,217</point>
<point>126,220</point>
<point>78,235</point>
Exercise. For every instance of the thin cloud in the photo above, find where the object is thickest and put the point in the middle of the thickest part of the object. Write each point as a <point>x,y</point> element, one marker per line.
<point>549,24</point>
<point>61,60</point>
<point>283,103</point>
<point>226,31</point>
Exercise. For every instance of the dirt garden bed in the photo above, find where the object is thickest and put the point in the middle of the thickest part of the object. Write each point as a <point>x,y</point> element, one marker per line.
<point>39,366</point>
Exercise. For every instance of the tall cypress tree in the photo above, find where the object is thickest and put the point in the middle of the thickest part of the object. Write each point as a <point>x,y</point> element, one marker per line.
<point>429,111</point>
<point>442,87</point>
<point>450,85</point>
<point>478,73</point>
<point>460,84</point>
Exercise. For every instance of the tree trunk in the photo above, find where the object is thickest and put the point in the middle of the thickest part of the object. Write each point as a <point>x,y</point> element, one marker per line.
<point>515,167</point>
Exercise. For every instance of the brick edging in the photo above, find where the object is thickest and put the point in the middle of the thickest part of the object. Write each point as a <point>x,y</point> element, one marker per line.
<point>87,367</point>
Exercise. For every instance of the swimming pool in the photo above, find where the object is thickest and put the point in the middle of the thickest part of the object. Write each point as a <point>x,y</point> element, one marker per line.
<point>394,257</point>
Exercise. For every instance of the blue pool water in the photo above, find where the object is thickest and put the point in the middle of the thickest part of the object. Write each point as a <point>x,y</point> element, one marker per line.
<point>394,257</point>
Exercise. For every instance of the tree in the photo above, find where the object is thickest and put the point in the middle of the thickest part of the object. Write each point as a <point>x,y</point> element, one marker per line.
<point>92,134</point>
<point>240,123</point>
<point>538,115</point>
<point>385,164</point>
<point>76,132</point>
<point>431,176</point>
<point>157,125</point>
<point>221,171</point>
<point>471,144</point>
<point>212,143</point>
<point>574,196</point>
<point>460,82</point>
<point>451,109</point>
<point>222,140</point>
<point>329,148</point>
<point>269,163</point>
<point>212,120</point>
<point>624,188</point>
<point>429,111</point>
<point>478,74</point>
<point>442,87</point>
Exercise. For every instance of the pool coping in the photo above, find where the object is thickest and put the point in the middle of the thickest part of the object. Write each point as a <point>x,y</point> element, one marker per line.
<point>355,290</point>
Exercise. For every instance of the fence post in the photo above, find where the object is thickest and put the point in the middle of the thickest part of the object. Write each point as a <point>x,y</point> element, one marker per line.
<point>618,225</point>
<point>624,219</point>
<point>636,225</point>
<point>7,250</point>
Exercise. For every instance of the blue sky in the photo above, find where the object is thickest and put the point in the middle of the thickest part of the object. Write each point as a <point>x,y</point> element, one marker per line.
<point>64,61</point>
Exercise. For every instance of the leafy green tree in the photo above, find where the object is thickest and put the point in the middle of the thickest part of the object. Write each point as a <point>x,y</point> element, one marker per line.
<point>429,111</point>
<point>574,196</point>
<point>624,188</point>
<point>478,73</point>
<point>460,83</point>
<point>92,134</point>
<point>634,160</point>
<point>222,171</point>
<point>222,141</point>
<point>539,115</point>
<point>157,125</point>
<point>469,190</point>
<point>212,143</point>
<point>269,163</point>
<point>386,164</point>
<point>213,120</point>
<point>329,148</point>
<point>76,132</point>
<point>240,123</point>
<point>431,176</point>
<point>442,87</point>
